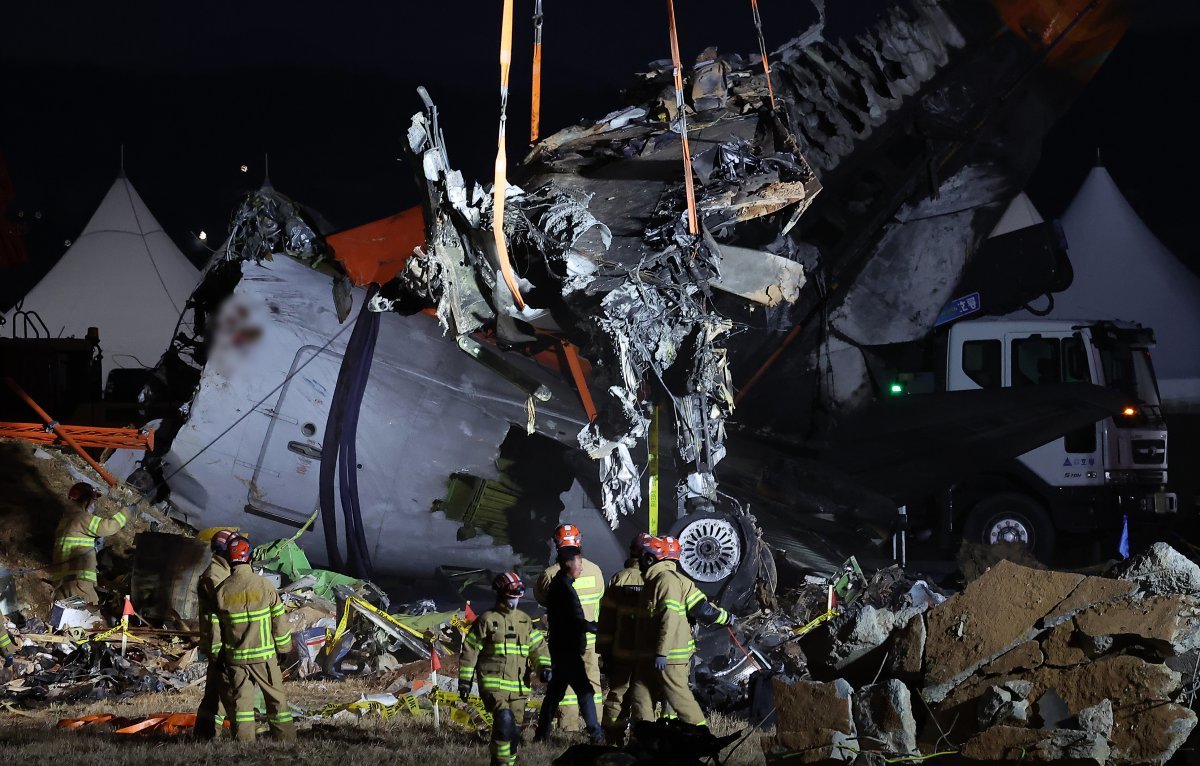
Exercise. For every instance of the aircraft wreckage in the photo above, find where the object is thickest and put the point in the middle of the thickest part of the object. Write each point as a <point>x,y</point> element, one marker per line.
<point>513,375</point>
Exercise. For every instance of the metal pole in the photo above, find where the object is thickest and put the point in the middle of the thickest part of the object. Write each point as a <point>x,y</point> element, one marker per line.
<point>53,425</point>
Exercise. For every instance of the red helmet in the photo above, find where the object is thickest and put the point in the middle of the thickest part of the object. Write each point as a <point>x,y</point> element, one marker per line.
<point>220,541</point>
<point>83,493</point>
<point>638,543</point>
<point>655,547</point>
<point>674,549</point>
<point>568,535</point>
<point>508,585</point>
<point>238,550</point>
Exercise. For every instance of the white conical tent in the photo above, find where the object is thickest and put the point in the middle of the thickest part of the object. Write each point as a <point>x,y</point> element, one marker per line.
<point>1123,272</point>
<point>1020,214</point>
<point>123,275</point>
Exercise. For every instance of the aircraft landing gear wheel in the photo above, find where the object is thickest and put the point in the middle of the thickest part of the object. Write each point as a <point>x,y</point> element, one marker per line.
<point>1012,517</point>
<point>712,547</point>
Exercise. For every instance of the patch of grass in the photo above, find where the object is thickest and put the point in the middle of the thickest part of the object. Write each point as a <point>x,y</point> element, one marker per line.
<point>32,738</point>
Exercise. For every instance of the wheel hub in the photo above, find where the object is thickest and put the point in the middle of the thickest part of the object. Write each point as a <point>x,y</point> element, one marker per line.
<point>711,549</point>
<point>1009,531</point>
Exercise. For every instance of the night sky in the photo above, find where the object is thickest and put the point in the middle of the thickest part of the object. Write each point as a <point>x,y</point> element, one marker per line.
<point>194,92</point>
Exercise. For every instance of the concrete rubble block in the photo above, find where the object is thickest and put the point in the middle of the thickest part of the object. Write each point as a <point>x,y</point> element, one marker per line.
<point>883,718</point>
<point>1093,590</point>
<point>1164,571</point>
<point>865,632</point>
<point>1147,726</point>
<point>814,722</point>
<point>1027,656</point>
<point>1168,624</point>
<point>1012,744</point>
<point>993,615</point>
<point>908,649</point>
<point>1004,705</point>
<point>1061,647</point>
<point>1152,734</point>
<point>1098,719</point>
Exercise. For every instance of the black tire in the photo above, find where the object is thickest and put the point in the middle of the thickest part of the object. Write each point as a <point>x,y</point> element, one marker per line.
<point>1026,516</point>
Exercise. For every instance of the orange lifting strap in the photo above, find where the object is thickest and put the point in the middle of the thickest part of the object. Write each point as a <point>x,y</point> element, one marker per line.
<point>535,112</point>
<point>762,48</point>
<point>500,188</point>
<point>681,106</point>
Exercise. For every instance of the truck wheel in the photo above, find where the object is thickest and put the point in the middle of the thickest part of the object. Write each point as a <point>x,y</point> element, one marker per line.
<point>1011,517</point>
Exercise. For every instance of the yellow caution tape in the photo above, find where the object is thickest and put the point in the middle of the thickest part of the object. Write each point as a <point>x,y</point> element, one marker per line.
<point>829,615</point>
<point>351,603</point>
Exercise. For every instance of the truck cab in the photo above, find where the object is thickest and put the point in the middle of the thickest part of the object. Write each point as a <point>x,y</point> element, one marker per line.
<point>1089,481</point>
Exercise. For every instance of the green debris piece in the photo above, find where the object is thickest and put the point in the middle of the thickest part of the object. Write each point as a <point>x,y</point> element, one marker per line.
<point>284,557</point>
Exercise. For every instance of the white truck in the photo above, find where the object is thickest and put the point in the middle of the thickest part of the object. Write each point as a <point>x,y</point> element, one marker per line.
<point>1087,480</point>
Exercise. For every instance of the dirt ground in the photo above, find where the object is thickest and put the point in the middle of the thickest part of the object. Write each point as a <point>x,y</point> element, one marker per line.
<point>30,737</point>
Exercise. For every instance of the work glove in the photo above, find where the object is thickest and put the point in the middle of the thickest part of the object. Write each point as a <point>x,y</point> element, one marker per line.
<point>660,663</point>
<point>546,675</point>
<point>8,660</point>
<point>464,690</point>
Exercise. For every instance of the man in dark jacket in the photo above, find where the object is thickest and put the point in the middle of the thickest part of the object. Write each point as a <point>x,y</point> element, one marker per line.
<point>569,630</point>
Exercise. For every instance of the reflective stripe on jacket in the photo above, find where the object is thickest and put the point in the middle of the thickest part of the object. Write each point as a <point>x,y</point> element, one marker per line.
<point>250,618</point>
<point>669,599</point>
<point>589,585</point>
<point>74,552</point>
<point>621,623</point>
<point>206,599</point>
<point>498,650</point>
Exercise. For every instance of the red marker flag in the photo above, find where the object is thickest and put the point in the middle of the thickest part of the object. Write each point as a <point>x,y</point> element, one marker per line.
<point>435,662</point>
<point>469,613</point>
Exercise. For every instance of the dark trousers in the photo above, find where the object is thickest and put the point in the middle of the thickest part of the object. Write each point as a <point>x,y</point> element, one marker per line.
<point>208,718</point>
<point>568,672</point>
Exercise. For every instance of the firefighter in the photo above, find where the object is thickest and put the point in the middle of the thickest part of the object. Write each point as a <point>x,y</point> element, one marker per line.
<point>208,716</point>
<point>7,647</point>
<point>253,630</point>
<point>569,631</point>
<point>671,602</point>
<point>497,652</point>
<point>620,644</point>
<point>74,556</point>
<point>590,587</point>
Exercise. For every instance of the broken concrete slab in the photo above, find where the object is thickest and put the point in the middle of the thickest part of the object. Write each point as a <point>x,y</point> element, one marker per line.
<point>1010,743</point>
<point>993,615</point>
<point>1061,648</point>
<point>1164,571</point>
<point>1093,590</point>
<point>1027,656</point>
<point>814,721</point>
<point>1151,735</point>
<point>1168,624</point>
<point>1147,724</point>
<point>883,718</point>
<point>908,649</point>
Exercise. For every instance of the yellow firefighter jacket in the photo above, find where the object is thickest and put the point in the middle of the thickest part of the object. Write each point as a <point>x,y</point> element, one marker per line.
<point>75,542</point>
<point>622,625</point>
<point>248,625</point>
<point>589,586</point>
<point>498,650</point>
<point>670,600</point>
<point>206,599</point>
